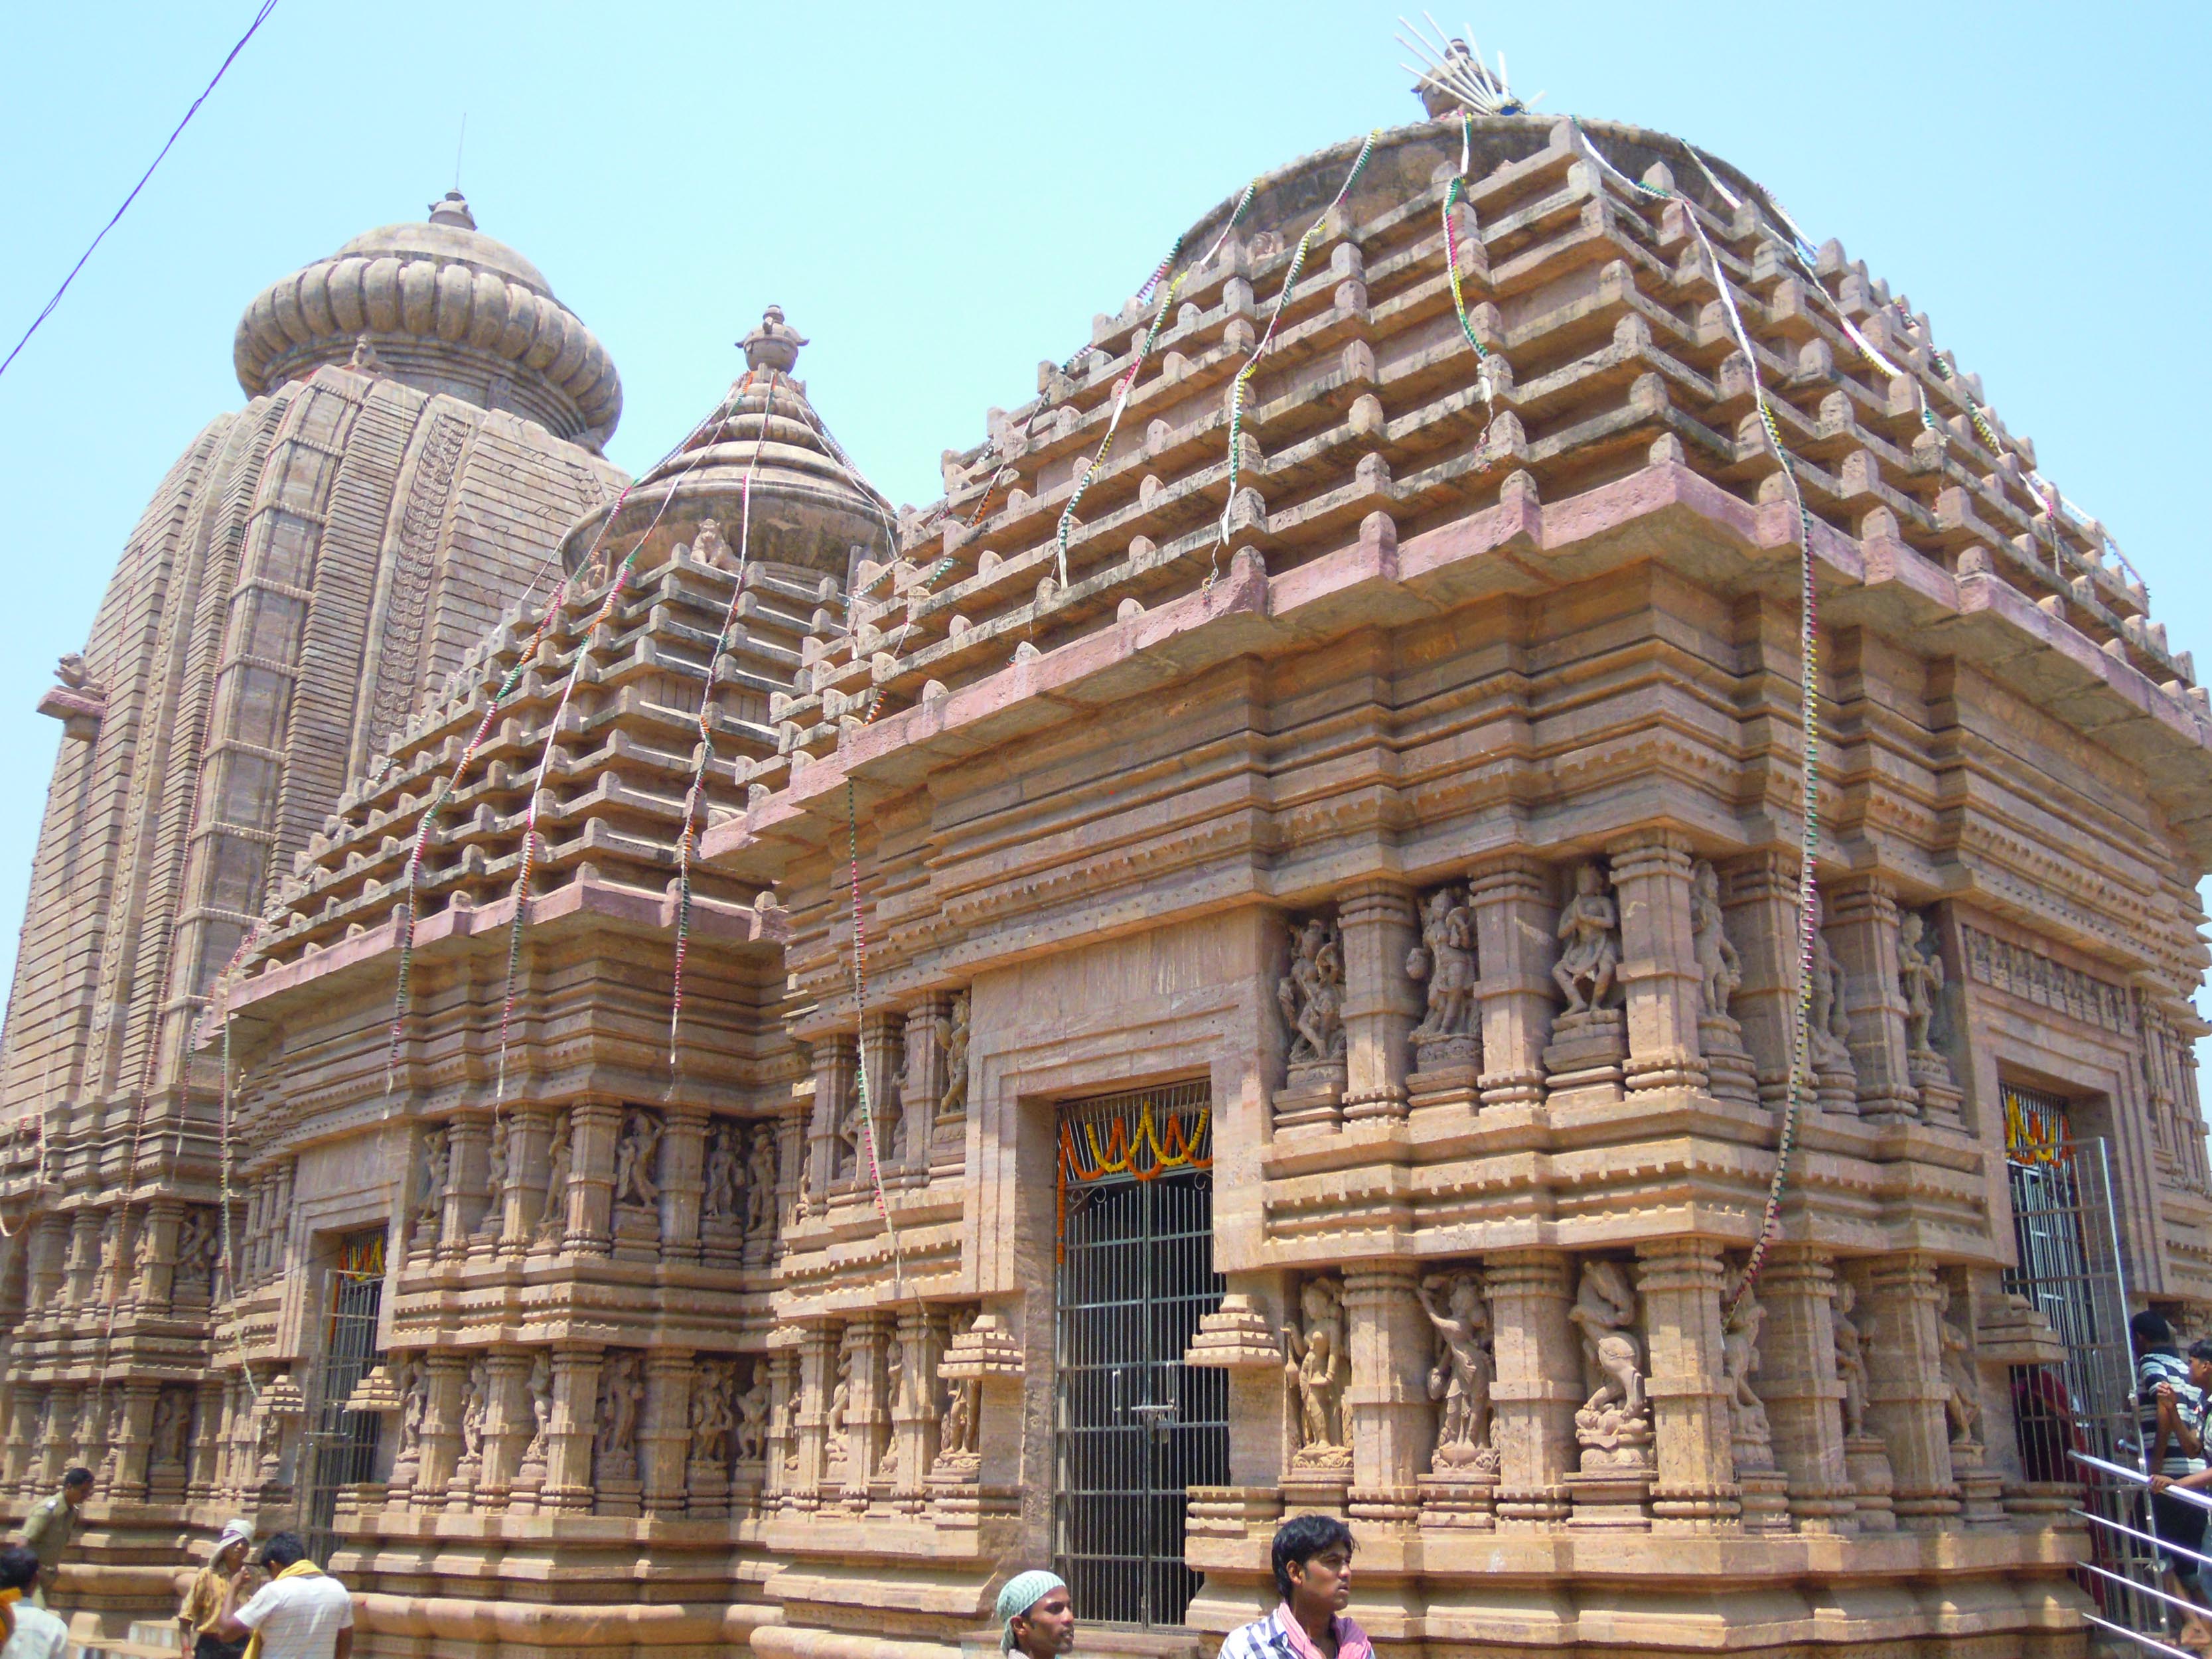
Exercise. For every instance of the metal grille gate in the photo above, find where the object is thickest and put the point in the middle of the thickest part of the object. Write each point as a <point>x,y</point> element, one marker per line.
<point>2071,1270</point>
<point>340,1445</point>
<point>1134,1426</point>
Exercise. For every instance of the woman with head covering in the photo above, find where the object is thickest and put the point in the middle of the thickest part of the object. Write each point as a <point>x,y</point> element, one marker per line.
<point>203,1602</point>
<point>1039,1618</point>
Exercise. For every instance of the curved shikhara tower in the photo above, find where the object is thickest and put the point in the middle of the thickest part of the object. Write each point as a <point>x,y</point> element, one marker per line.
<point>425,416</point>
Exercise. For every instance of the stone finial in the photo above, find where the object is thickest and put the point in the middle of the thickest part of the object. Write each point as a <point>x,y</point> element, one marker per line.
<point>453,210</point>
<point>774,344</point>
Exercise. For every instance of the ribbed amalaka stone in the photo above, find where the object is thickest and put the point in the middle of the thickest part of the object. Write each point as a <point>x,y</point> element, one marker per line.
<point>1382,1005</point>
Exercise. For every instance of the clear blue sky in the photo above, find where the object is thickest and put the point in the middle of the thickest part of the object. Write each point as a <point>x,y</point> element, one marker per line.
<point>942,196</point>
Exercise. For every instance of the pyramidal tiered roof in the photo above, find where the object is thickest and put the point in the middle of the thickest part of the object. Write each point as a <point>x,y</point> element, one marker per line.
<point>606,697</point>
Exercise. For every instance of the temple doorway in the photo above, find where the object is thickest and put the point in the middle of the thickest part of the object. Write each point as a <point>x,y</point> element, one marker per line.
<point>1134,1428</point>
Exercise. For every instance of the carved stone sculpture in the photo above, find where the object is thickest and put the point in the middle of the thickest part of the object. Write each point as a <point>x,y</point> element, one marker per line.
<point>712,1411</point>
<point>1318,1370</point>
<point>954,1100</point>
<point>621,1389</point>
<point>1311,994</point>
<point>1590,928</point>
<point>723,1199</point>
<point>635,1153</point>
<point>1720,968</point>
<point>752,1417</point>
<point>553,1218</point>
<point>1851,1361</point>
<point>760,1181</point>
<point>1962,1405</point>
<point>1460,1377</point>
<point>1445,959</point>
<point>1613,1424</point>
<point>430,1192</point>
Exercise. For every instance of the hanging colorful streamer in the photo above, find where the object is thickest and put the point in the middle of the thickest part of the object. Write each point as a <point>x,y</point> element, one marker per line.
<point>1282,302</point>
<point>1128,381</point>
<point>1809,711</point>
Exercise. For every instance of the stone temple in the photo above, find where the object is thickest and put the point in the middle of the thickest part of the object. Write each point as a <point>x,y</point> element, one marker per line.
<point>1246,960</point>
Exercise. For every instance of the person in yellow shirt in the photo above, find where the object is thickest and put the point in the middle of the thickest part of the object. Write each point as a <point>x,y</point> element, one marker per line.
<point>209,1594</point>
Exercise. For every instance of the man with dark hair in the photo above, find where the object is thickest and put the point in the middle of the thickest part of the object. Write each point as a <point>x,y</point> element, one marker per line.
<point>300,1613</point>
<point>35,1633</point>
<point>1313,1576</point>
<point>50,1530</point>
<point>2169,1407</point>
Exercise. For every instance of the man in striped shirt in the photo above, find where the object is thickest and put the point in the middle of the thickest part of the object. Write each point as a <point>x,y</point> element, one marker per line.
<point>1313,1575</point>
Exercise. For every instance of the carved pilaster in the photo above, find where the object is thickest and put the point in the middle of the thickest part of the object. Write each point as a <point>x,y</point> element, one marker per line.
<point>1382,1005</point>
<point>1658,963</point>
<point>1539,1382</point>
<point>1681,1283</point>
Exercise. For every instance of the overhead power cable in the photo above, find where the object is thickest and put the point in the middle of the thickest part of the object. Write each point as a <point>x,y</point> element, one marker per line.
<point>259,18</point>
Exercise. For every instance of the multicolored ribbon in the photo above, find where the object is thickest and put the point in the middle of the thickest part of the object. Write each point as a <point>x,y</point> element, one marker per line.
<point>1808,713</point>
<point>1128,380</point>
<point>1252,364</point>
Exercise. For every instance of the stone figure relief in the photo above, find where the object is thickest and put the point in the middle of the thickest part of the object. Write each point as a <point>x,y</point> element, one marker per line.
<point>1920,977</point>
<point>841,1402</point>
<point>1445,959</point>
<point>553,1215</point>
<point>1851,1361</point>
<point>712,1411</point>
<point>1739,1362</point>
<point>430,1192</point>
<point>476,1400</point>
<point>1461,1378</point>
<point>541,1410</point>
<point>637,1159</point>
<point>1318,1370</point>
<point>621,1389</point>
<point>954,1100</point>
<point>1613,1422</point>
<point>760,1181</point>
<point>1831,1019</point>
<point>1311,994</point>
<point>1589,930</point>
<point>752,1408</point>
<point>723,1199</point>
<point>1720,968</point>
<point>1962,1401</point>
<point>173,1421</point>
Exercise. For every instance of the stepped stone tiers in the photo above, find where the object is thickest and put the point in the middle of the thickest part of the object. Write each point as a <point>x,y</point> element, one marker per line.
<point>308,565</point>
<point>1383,846</point>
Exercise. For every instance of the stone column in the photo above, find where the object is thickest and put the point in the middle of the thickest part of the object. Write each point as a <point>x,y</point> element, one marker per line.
<point>468,1146</point>
<point>1905,1390</point>
<point>664,1429</point>
<point>836,1053</point>
<point>866,1425</point>
<point>1797,1383</point>
<point>595,1125</point>
<point>447,1371</point>
<point>683,1181</point>
<point>1658,963</point>
<point>529,1146</point>
<point>1539,1383</point>
<point>1382,1005</point>
<point>817,1372</point>
<point>1760,896</point>
<point>508,1421</point>
<point>1514,948</point>
<point>1681,1283</point>
<point>1863,930</point>
<point>134,1445</point>
<point>207,1440</point>
<point>882,1047</point>
<point>569,1434</point>
<point>1390,1419</point>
